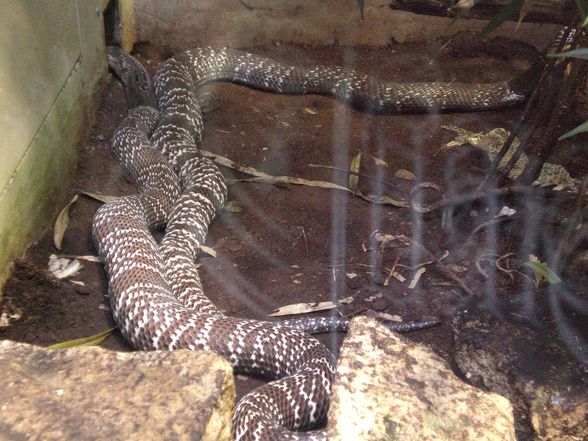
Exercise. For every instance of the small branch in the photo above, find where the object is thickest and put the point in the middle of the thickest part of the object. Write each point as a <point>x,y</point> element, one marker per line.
<point>540,11</point>
<point>463,199</point>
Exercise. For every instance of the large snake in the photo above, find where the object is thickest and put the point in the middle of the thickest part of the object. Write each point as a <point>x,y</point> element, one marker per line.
<point>155,291</point>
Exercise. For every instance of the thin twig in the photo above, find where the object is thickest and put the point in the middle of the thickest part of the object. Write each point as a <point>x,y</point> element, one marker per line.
<point>462,199</point>
<point>350,172</point>
<point>445,270</point>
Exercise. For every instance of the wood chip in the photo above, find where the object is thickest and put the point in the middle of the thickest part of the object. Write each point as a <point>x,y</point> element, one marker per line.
<point>417,277</point>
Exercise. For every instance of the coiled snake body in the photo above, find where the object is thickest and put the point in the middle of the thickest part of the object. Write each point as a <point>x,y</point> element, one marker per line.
<point>155,291</point>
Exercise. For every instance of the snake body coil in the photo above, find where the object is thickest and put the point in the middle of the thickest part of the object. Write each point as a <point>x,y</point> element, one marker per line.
<point>155,291</point>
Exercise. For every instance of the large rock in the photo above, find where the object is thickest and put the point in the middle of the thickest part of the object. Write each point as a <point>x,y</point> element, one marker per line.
<point>91,393</point>
<point>389,388</point>
<point>546,383</point>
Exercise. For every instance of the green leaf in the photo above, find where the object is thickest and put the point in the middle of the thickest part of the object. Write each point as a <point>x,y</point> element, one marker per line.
<point>581,53</point>
<point>92,340</point>
<point>541,270</point>
<point>582,128</point>
<point>505,13</point>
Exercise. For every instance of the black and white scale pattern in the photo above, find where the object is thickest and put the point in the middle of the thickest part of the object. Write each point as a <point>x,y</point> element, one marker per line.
<point>155,290</point>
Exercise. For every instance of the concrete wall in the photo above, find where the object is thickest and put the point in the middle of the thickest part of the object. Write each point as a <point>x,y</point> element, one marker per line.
<point>181,24</point>
<point>51,57</point>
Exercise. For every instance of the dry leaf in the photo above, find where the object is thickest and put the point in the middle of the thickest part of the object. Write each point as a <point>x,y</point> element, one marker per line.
<point>346,300</point>
<point>100,197</point>
<point>378,161</point>
<point>262,177</point>
<point>86,257</point>
<point>402,173</point>
<point>383,200</point>
<point>61,223</point>
<point>301,308</point>
<point>456,268</point>
<point>232,207</point>
<point>373,297</point>
<point>389,317</point>
<point>93,340</point>
<point>354,169</point>
<point>62,268</point>
<point>305,308</point>
<point>208,250</point>
<point>89,258</point>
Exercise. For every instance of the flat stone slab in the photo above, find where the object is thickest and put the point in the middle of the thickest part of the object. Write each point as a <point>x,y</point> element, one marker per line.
<point>389,388</point>
<point>92,393</point>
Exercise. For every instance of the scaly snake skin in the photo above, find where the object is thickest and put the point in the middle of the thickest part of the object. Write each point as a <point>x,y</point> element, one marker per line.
<point>155,291</point>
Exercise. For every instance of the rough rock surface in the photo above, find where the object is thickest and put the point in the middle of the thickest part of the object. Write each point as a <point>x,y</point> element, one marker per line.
<point>389,388</point>
<point>546,384</point>
<point>91,393</point>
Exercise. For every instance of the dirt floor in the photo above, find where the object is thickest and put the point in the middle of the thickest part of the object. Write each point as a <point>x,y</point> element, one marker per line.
<point>292,244</point>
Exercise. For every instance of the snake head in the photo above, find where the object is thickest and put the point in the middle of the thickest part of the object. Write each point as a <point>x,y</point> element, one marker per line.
<point>118,63</point>
<point>132,75</point>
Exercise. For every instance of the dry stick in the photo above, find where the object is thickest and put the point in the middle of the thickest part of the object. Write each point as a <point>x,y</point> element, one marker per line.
<point>443,269</point>
<point>462,199</point>
<point>494,221</point>
<point>446,271</point>
<point>261,177</point>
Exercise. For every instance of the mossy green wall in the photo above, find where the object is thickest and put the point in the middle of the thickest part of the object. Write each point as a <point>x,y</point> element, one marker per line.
<point>51,58</point>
